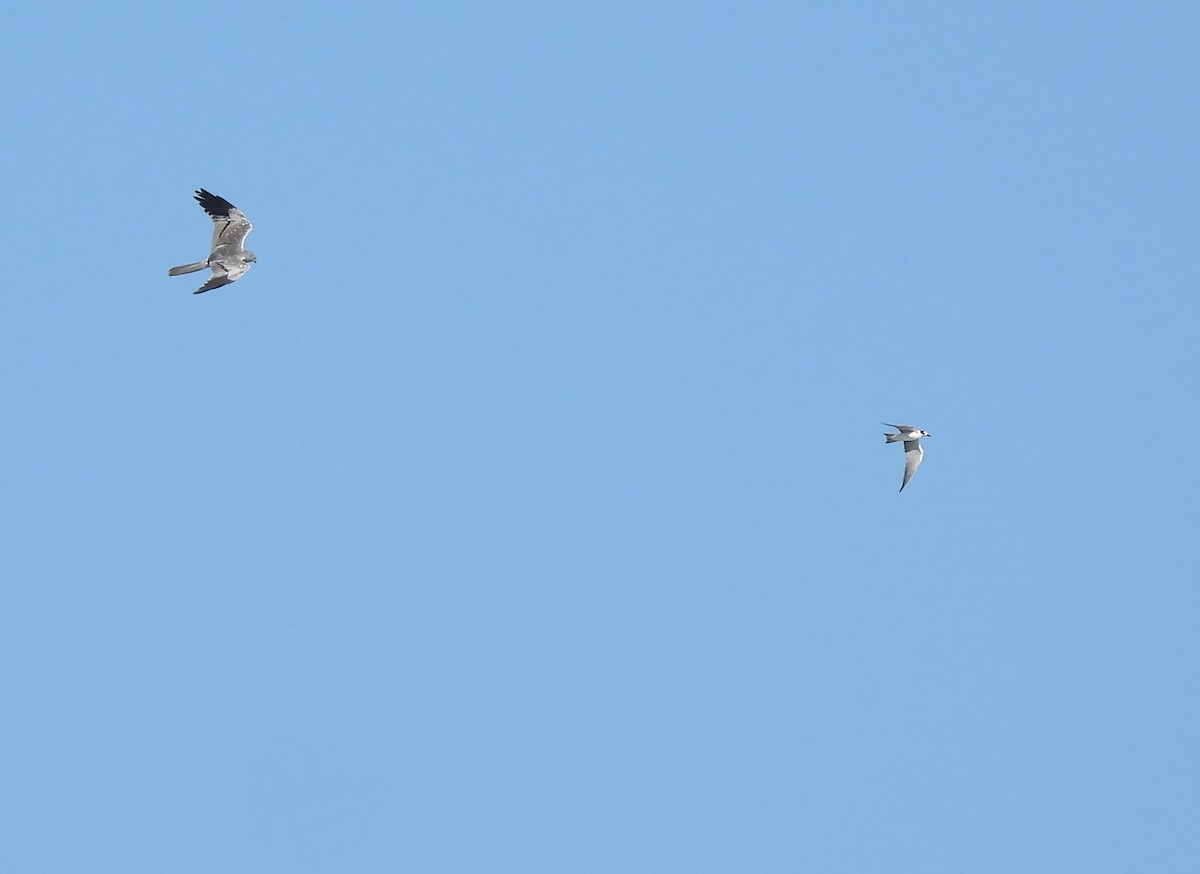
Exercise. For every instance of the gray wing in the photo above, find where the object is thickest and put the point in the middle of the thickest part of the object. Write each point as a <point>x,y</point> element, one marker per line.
<point>913,453</point>
<point>230,226</point>
<point>218,279</point>
<point>222,274</point>
<point>901,427</point>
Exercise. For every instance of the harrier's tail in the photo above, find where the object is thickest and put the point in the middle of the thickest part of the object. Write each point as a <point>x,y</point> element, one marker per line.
<point>187,268</point>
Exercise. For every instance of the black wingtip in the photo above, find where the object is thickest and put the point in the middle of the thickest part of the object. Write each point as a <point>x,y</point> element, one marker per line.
<point>213,204</point>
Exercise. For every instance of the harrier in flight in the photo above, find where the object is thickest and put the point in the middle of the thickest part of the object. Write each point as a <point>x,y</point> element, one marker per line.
<point>228,260</point>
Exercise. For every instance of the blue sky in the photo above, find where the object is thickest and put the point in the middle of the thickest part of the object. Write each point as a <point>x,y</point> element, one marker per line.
<point>525,508</point>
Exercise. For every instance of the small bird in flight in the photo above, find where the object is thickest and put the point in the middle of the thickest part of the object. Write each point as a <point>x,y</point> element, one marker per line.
<point>228,260</point>
<point>913,453</point>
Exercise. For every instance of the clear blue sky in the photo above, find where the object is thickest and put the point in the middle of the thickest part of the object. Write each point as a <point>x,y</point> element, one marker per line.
<point>526,509</point>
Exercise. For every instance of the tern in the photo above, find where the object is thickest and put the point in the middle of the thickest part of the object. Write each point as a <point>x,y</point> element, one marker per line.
<point>913,453</point>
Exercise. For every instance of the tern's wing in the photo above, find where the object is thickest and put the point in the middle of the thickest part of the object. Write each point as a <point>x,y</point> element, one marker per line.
<point>913,453</point>
<point>901,427</point>
<point>230,226</point>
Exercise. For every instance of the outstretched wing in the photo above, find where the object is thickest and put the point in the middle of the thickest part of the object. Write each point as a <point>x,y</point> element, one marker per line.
<point>222,274</point>
<point>217,280</point>
<point>913,453</point>
<point>230,226</point>
<point>901,427</point>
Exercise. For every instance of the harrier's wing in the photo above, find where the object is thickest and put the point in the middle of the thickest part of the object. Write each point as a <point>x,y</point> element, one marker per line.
<point>217,280</point>
<point>913,453</point>
<point>230,226</point>
<point>222,274</point>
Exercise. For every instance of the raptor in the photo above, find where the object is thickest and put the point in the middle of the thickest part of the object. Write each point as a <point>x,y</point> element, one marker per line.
<point>229,259</point>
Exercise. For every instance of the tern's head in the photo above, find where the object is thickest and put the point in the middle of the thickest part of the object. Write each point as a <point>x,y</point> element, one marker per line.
<point>925,434</point>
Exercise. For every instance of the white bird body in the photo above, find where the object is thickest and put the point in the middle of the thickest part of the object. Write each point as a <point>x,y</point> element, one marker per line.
<point>913,452</point>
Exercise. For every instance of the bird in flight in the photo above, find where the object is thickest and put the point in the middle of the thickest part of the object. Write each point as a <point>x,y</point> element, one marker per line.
<point>228,260</point>
<point>913,453</point>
